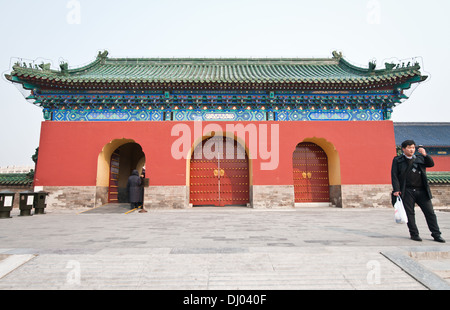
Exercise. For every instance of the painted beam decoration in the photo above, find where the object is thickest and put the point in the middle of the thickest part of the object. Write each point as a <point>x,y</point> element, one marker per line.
<point>126,89</point>
<point>241,107</point>
<point>216,115</point>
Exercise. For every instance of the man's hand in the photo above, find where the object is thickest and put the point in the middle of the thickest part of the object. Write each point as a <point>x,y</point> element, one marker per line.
<point>422,151</point>
<point>396,194</point>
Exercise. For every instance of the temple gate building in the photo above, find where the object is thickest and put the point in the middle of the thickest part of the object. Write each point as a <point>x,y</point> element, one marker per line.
<point>262,133</point>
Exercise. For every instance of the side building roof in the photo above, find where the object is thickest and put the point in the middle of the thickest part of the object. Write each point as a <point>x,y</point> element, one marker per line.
<point>428,134</point>
<point>16,179</point>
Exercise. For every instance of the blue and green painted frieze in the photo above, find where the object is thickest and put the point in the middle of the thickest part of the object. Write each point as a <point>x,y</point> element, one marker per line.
<point>259,106</point>
<point>216,115</point>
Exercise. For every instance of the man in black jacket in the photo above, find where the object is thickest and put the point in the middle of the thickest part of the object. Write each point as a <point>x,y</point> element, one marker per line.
<point>409,181</point>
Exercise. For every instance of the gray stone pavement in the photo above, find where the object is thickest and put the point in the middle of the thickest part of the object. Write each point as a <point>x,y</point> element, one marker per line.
<point>221,249</point>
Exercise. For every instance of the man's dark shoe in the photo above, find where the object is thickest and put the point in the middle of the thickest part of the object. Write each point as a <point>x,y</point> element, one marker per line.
<point>416,238</point>
<point>439,239</point>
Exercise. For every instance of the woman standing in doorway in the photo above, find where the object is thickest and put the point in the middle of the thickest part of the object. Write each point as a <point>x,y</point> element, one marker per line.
<point>134,189</point>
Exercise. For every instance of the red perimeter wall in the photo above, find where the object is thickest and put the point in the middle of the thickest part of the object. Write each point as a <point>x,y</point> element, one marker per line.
<point>68,151</point>
<point>441,163</point>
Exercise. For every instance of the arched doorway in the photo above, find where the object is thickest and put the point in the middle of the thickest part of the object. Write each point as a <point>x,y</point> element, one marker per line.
<point>311,181</point>
<point>219,173</point>
<point>124,160</point>
<point>116,159</point>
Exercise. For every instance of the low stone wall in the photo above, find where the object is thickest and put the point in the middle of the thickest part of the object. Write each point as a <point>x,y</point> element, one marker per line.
<point>379,196</point>
<point>441,195</point>
<point>272,196</point>
<point>336,196</point>
<point>78,197</point>
<point>70,197</point>
<point>261,196</point>
<point>166,197</point>
<point>366,196</point>
<point>101,195</point>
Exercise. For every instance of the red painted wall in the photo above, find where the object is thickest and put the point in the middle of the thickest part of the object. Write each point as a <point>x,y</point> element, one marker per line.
<point>68,151</point>
<point>441,163</point>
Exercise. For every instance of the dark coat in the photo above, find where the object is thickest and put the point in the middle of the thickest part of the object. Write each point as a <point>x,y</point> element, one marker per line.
<point>134,187</point>
<point>398,172</point>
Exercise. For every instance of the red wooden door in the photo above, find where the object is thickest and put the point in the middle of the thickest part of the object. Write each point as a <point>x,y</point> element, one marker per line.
<point>114,177</point>
<point>219,173</point>
<point>234,174</point>
<point>310,174</point>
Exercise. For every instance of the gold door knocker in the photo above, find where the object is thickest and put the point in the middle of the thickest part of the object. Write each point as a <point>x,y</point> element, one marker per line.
<point>217,172</point>
<point>309,175</point>
<point>304,175</point>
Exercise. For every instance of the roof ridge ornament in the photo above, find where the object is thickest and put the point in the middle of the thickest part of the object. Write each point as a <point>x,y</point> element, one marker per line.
<point>45,66</point>
<point>389,66</point>
<point>372,65</point>
<point>64,67</point>
<point>337,55</point>
<point>103,55</point>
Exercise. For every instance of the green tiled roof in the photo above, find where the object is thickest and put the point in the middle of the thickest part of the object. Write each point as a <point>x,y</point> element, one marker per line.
<point>16,179</point>
<point>135,71</point>
<point>439,177</point>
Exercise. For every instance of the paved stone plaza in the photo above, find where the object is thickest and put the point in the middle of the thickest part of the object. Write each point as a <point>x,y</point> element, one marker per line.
<point>221,249</point>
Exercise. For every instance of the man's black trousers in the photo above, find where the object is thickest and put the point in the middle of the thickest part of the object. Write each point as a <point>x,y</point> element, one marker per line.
<point>420,197</point>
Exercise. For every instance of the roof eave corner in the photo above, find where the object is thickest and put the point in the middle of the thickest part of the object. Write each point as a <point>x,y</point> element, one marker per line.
<point>416,79</point>
<point>13,78</point>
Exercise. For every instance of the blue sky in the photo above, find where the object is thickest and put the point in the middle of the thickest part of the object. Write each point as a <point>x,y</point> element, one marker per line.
<point>55,30</point>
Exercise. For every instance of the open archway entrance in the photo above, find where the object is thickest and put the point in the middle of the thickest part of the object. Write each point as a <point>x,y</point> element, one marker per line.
<point>116,161</point>
<point>124,160</point>
<point>219,173</point>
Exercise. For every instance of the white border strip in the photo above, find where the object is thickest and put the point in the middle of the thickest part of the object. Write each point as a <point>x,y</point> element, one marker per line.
<point>12,262</point>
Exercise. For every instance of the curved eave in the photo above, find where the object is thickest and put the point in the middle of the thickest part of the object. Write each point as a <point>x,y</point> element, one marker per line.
<point>63,81</point>
<point>309,84</point>
<point>90,66</point>
<point>347,66</point>
<point>414,79</point>
<point>26,83</point>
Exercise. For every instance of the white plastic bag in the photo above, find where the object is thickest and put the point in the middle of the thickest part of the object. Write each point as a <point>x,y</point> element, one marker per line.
<point>400,213</point>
